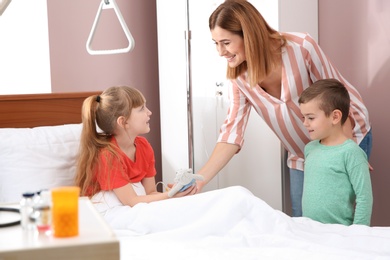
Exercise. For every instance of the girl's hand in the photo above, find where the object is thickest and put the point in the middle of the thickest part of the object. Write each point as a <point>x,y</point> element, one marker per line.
<point>189,191</point>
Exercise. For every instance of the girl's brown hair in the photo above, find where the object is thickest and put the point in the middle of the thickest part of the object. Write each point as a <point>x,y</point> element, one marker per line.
<point>242,18</point>
<point>99,118</point>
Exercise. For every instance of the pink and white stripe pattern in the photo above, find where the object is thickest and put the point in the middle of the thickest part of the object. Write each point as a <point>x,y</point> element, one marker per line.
<point>303,63</point>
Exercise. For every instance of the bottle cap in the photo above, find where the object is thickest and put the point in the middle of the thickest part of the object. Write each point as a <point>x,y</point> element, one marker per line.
<point>28,194</point>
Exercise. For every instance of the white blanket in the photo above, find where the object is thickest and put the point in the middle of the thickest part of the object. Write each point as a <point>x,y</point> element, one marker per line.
<point>231,223</point>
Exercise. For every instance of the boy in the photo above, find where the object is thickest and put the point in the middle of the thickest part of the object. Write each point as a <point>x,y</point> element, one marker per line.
<point>337,184</point>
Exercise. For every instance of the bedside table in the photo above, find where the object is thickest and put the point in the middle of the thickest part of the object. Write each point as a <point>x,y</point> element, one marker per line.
<point>95,240</point>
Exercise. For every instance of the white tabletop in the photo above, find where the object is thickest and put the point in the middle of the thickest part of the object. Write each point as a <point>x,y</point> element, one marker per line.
<point>93,230</point>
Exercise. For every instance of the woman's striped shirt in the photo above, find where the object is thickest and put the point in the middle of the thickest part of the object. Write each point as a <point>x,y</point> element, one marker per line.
<point>303,63</point>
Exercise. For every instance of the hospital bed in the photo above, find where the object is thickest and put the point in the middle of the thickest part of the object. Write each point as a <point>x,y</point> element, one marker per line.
<point>39,137</point>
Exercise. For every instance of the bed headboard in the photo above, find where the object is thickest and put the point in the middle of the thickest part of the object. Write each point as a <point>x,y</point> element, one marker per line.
<point>32,110</point>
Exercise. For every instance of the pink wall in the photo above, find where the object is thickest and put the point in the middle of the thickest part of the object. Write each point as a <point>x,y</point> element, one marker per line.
<point>73,69</point>
<point>355,35</point>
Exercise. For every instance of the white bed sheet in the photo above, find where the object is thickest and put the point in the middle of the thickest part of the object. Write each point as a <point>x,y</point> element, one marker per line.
<point>231,223</point>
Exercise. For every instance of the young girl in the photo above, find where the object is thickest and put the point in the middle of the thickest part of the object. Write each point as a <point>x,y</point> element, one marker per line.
<point>115,163</point>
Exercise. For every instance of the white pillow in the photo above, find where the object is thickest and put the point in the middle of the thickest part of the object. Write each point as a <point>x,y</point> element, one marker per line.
<point>37,158</point>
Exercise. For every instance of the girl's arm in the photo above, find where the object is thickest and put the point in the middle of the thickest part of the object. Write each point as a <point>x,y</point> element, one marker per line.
<point>149,185</point>
<point>128,196</point>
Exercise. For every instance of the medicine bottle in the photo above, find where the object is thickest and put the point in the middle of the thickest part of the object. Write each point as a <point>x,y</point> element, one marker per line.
<point>42,211</point>
<point>26,211</point>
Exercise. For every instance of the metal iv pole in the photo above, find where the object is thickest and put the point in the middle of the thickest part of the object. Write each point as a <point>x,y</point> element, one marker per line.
<point>189,91</point>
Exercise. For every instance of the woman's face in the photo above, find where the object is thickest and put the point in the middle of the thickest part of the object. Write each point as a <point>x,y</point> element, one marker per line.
<point>229,45</point>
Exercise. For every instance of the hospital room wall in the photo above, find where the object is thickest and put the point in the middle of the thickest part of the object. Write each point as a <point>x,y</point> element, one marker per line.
<point>73,69</point>
<point>357,44</point>
<point>43,50</point>
<point>355,34</point>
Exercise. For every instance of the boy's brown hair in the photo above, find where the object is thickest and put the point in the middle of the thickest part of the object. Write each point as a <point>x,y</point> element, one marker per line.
<point>331,94</point>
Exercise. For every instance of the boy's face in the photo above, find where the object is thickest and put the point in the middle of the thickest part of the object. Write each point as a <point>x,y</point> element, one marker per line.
<point>315,120</point>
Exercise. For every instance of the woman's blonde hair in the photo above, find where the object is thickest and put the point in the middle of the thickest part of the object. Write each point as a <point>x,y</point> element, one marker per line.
<point>101,111</point>
<point>242,18</point>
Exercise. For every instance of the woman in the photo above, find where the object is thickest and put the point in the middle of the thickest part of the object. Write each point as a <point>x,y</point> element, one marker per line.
<point>268,71</point>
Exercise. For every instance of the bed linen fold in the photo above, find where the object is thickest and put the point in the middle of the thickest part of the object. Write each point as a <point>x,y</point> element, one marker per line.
<point>232,223</point>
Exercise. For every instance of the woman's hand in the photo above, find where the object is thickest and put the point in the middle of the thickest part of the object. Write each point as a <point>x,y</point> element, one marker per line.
<point>200,185</point>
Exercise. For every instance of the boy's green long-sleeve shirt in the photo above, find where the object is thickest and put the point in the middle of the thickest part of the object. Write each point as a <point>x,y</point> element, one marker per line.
<point>337,184</point>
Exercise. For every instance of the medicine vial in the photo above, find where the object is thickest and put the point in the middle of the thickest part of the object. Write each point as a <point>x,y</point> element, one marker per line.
<point>42,211</point>
<point>26,211</point>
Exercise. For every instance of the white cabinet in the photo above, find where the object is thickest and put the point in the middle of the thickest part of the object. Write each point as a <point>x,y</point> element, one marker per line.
<point>259,164</point>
